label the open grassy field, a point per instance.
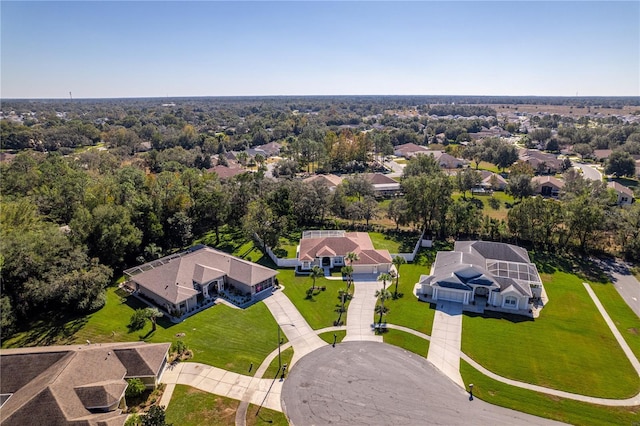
(407, 341)
(539, 404)
(192, 407)
(569, 347)
(224, 337)
(482, 201)
(395, 242)
(320, 310)
(485, 166)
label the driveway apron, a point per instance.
(444, 349)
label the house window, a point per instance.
(624, 199)
(510, 302)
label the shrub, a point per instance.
(135, 388)
(138, 319)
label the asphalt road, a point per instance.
(369, 383)
(589, 172)
(624, 281)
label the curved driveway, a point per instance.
(364, 383)
(589, 172)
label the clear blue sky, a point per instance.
(136, 49)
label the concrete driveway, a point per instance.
(589, 172)
(369, 383)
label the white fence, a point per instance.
(282, 263)
(410, 257)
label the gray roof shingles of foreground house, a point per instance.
(77, 384)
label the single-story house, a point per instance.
(547, 186)
(602, 154)
(329, 180)
(489, 275)
(492, 180)
(267, 150)
(181, 283)
(328, 249)
(446, 161)
(542, 162)
(78, 384)
(227, 172)
(625, 195)
(409, 150)
(383, 185)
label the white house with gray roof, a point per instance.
(483, 275)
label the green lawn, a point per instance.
(539, 404)
(621, 314)
(395, 242)
(407, 341)
(482, 201)
(485, 166)
(319, 311)
(568, 340)
(224, 337)
(328, 336)
(407, 310)
(274, 367)
(192, 407)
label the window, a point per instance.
(510, 302)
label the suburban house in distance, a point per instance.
(184, 282)
(547, 186)
(328, 249)
(484, 275)
(80, 385)
(409, 150)
(330, 181)
(542, 162)
(383, 185)
(625, 195)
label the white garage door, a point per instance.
(450, 295)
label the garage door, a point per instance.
(452, 296)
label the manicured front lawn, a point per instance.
(192, 407)
(407, 341)
(569, 347)
(625, 319)
(275, 368)
(407, 310)
(485, 166)
(319, 311)
(224, 337)
(540, 404)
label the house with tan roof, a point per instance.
(409, 150)
(483, 275)
(182, 283)
(383, 185)
(624, 194)
(542, 162)
(77, 384)
(330, 181)
(547, 186)
(492, 180)
(328, 249)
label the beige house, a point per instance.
(485, 275)
(624, 194)
(548, 186)
(75, 385)
(330, 181)
(182, 283)
(328, 249)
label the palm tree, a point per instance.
(397, 261)
(351, 257)
(348, 271)
(316, 272)
(384, 278)
(383, 295)
(152, 314)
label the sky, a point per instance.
(206, 48)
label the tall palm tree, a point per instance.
(383, 295)
(348, 271)
(397, 261)
(351, 257)
(384, 278)
(316, 272)
(152, 314)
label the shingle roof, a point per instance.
(59, 384)
(330, 181)
(620, 188)
(357, 242)
(173, 281)
(547, 180)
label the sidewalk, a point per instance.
(446, 336)
(361, 311)
(302, 337)
(220, 382)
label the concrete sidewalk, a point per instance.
(221, 382)
(360, 312)
(302, 337)
(446, 336)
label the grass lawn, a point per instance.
(407, 341)
(485, 166)
(482, 201)
(319, 311)
(224, 337)
(193, 407)
(621, 314)
(274, 367)
(395, 242)
(328, 336)
(539, 404)
(407, 310)
(569, 347)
